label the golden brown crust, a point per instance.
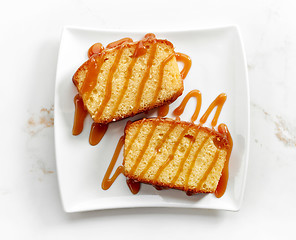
(212, 131)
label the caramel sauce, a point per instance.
(158, 188)
(181, 166)
(133, 185)
(218, 102)
(163, 110)
(140, 49)
(160, 80)
(149, 36)
(90, 81)
(187, 63)
(109, 85)
(179, 110)
(145, 77)
(95, 49)
(79, 116)
(157, 148)
(144, 148)
(171, 156)
(107, 181)
(222, 184)
(119, 42)
(209, 169)
(192, 164)
(134, 138)
(125, 86)
(97, 132)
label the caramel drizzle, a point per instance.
(208, 171)
(143, 150)
(161, 72)
(95, 49)
(134, 138)
(133, 185)
(126, 83)
(79, 116)
(163, 110)
(157, 148)
(181, 166)
(119, 42)
(109, 85)
(192, 164)
(97, 132)
(145, 77)
(171, 156)
(107, 181)
(180, 109)
(222, 184)
(187, 63)
(94, 68)
(218, 102)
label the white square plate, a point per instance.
(218, 65)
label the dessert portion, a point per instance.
(175, 154)
(128, 78)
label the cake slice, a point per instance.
(174, 154)
(128, 78)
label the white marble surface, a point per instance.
(30, 206)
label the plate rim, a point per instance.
(234, 27)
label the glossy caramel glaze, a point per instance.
(181, 166)
(163, 110)
(181, 57)
(160, 80)
(218, 102)
(192, 164)
(145, 77)
(143, 150)
(208, 171)
(107, 181)
(151, 160)
(119, 42)
(171, 156)
(97, 132)
(79, 116)
(92, 75)
(133, 185)
(95, 49)
(140, 50)
(179, 110)
(221, 188)
(109, 85)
